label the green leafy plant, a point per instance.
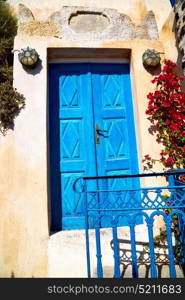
(11, 101)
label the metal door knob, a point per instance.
(98, 132)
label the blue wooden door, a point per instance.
(83, 98)
(116, 153)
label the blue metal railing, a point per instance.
(105, 206)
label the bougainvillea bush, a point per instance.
(166, 112)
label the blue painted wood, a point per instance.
(82, 95)
(76, 156)
(113, 112)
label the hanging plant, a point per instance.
(11, 101)
(166, 112)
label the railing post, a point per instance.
(116, 252)
(151, 245)
(182, 236)
(133, 251)
(87, 230)
(170, 248)
(98, 249)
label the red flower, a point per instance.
(170, 161)
(163, 153)
(183, 149)
(150, 96)
(182, 178)
(171, 82)
(147, 112)
(167, 122)
(182, 133)
(147, 157)
(157, 94)
(166, 104)
(174, 127)
(165, 69)
(166, 211)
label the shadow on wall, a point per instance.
(36, 70)
(153, 71)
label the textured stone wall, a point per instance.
(180, 27)
(83, 23)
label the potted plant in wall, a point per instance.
(166, 112)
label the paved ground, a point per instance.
(143, 272)
(67, 253)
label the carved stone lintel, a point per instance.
(25, 14)
(82, 23)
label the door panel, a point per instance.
(111, 108)
(81, 97)
(77, 153)
(113, 113)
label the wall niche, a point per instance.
(86, 21)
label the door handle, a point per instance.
(98, 132)
(101, 130)
(97, 135)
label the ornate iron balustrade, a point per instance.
(127, 199)
(110, 204)
(151, 198)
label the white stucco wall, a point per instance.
(26, 249)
